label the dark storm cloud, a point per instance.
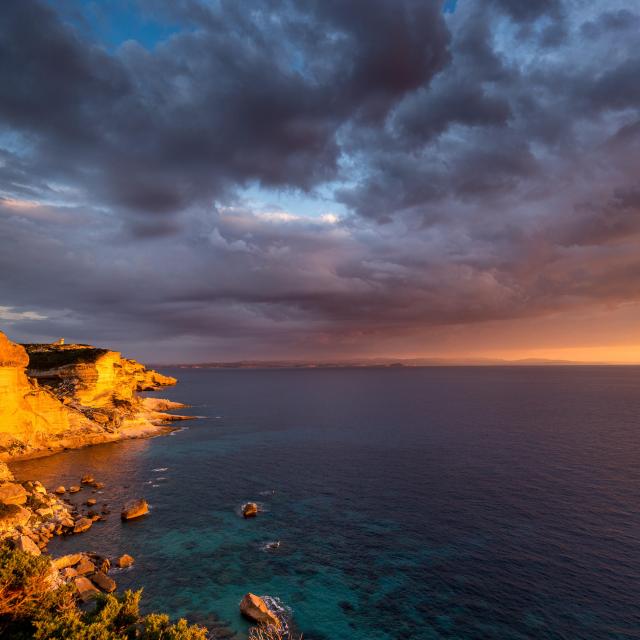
(239, 96)
(487, 159)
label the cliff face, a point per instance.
(55, 396)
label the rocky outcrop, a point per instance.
(12, 493)
(124, 561)
(254, 608)
(134, 509)
(30, 415)
(250, 510)
(55, 396)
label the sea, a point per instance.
(395, 504)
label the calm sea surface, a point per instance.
(410, 503)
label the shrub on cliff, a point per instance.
(115, 618)
(31, 608)
(24, 584)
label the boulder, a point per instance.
(134, 509)
(60, 490)
(69, 560)
(68, 572)
(87, 479)
(86, 590)
(255, 609)
(45, 512)
(250, 510)
(125, 561)
(103, 581)
(74, 488)
(12, 493)
(85, 566)
(38, 487)
(90, 502)
(82, 524)
(12, 516)
(25, 543)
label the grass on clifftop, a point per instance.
(43, 356)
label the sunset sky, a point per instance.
(198, 180)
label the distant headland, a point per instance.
(57, 396)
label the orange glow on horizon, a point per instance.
(614, 354)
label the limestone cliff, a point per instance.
(55, 396)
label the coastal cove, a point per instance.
(422, 503)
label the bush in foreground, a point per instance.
(31, 608)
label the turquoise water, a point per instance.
(424, 503)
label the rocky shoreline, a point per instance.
(55, 397)
(30, 516)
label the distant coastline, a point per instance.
(391, 363)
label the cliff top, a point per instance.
(52, 356)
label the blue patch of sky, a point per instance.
(112, 22)
(294, 202)
(449, 6)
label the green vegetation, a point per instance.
(32, 607)
(43, 357)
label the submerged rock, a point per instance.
(134, 509)
(250, 510)
(255, 609)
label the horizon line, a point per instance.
(354, 363)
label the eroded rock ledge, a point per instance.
(55, 396)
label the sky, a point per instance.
(198, 180)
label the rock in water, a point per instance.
(250, 510)
(82, 525)
(255, 609)
(86, 589)
(87, 478)
(60, 490)
(74, 488)
(125, 561)
(103, 581)
(134, 509)
(12, 493)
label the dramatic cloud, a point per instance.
(211, 179)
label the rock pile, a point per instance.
(87, 571)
